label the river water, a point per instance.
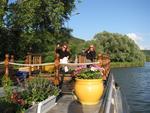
(135, 84)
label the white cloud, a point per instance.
(141, 47)
(147, 48)
(137, 39)
(134, 37)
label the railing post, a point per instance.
(11, 60)
(40, 61)
(104, 66)
(108, 64)
(6, 63)
(30, 62)
(100, 59)
(26, 60)
(81, 58)
(57, 65)
(29, 58)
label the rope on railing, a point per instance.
(1, 62)
(46, 64)
(76, 64)
(18, 64)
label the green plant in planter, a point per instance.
(38, 89)
(6, 103)
(88, 72)
(7, 85)
(9, 107)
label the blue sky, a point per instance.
(129, 17)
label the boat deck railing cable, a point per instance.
(46, 64)
(32, 65)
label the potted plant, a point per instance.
(41, 93)
(88, 84)
(38, 95)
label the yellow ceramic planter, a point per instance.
(89, 91)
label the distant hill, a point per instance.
(76, 45)
(76, 40)
(147, 53)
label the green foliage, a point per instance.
(76, 45)
(11, 43)
(36, 24)
(6, 103)
(49, 12)
(38, 89)
(148, 58)
(8, 107)
(120, 47)
(3, 8)
(49, 56)
(7, 85)
(146, 52)
(88, 74)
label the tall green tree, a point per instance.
(3, 8)
(36, 24)
(120, 47)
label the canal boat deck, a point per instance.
(67, 104)
(112, 101)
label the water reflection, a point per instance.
(135, 84)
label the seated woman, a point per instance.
(90, 54)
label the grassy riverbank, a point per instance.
(148, 58)
(126, 64)
(147, 54)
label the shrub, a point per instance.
(7, 85)
(38, 89)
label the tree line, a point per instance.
(37, 25)
(120, 47)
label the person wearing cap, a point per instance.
(90, 54)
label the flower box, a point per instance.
(39, 90)
(44, 106)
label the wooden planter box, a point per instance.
(44, 106)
